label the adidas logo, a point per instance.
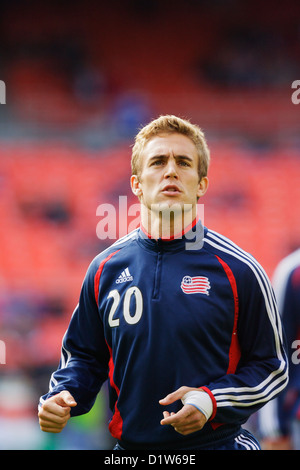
(124, 276)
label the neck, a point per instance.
(167, 223)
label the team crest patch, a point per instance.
(195, 285)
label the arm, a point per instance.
(262, 370)
(84, 355)
(275, 418)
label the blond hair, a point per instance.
(171, 124)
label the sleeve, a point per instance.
(83, 366)
(291, 323)
(261, 372)
(287, 404)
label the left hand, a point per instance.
(188, 419)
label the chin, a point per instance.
(170, 204)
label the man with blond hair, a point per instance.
(190, 340)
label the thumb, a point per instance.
(65, 398)
(174, 396)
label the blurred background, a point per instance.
(81, 78)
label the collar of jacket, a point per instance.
(190, 239)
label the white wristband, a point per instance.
(201, 400)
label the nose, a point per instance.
(170, 169)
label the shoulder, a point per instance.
(243, 264)
(222, 246)
(287, 266)
(285, 270)
(116, 249)
(250, 278)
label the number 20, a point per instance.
(130, 319)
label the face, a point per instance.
(169, 172)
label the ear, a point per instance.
(135, 186)
(203, 186)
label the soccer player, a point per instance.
(180, 320)
(279, 420)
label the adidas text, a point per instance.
(124, 279)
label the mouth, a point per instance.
(171, 190)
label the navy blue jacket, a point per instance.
(276, 418)
(155, 315)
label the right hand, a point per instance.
(55, 412)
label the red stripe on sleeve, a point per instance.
(98, 275)
(116, 424)
(234, 350)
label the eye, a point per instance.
(184, 163)
(157, 162)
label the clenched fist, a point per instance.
(55, 412)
